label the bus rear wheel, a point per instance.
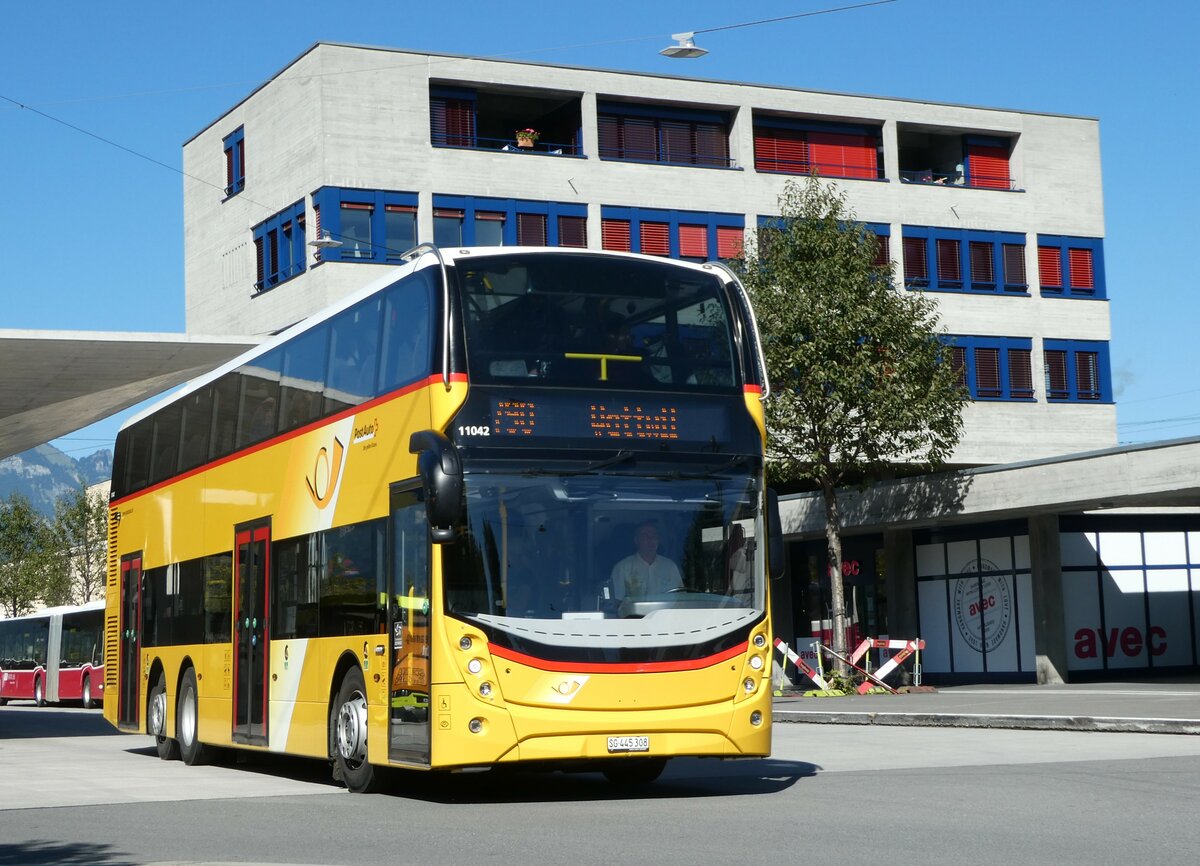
(187, 722)
(87, 700)
(634, 771)
(156, 720)
(350, 735)
(39, 693)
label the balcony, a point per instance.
(474, 118)
(954, 159)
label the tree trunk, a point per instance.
(833, 543)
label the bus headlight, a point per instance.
(760, 641)
(485, 689)
(748, 685)
(475, 726)
(464, 643)
(474, 666)
(756, 662)
(756, 718)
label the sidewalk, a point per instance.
(1160, 707)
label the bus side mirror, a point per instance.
(440, 469)
(775, 557)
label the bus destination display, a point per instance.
(647, 420)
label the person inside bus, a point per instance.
(645, 572)
(738, 579)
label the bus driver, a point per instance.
(645, 572)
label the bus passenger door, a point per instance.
(408, 621)
(250, 634)
(128, 711)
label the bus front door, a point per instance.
(128, 711)
(408, 618)
(250, 634)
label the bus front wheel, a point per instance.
(350, 735)
(39, 693)
(187, 722)
(156, 720)
(87, 700)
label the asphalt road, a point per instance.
(74, 792)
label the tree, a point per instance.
(80, 540)
(861, 376)
(24, 543)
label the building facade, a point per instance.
(997, 213)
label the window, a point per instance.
(798, 147)
(1071, 267)
(476, 221)
(452, 117)
(352, 569)
(994, 368)
(987, 163)
(279, 247)
(652, 133)
(676, 234)
(372, 225)
(1077, 371)
(234, 145)
(985, 255)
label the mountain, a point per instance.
(44, 473)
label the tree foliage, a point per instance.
(24, 549)
(860, 376)
(80, 532)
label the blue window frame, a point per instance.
(464, 220)
(279, 247)
(234, 146)
(1077, 371)
(994, 368)
(373, 225)
(960, 260)
(677, 234)
(1071, 267)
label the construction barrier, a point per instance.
(801, 664)
(905, 647)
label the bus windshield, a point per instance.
(591, 321)
(645, 561)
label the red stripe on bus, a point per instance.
(617, 667)
(435, 379)
(752, 389)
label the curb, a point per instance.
(1027, 723)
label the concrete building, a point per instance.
(1009, 572)
(997, 212)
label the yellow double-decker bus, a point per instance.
(502, 505)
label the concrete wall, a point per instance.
(355, 117)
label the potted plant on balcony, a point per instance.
(526, 137)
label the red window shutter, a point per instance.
(241, 159)
(639, 139)
(452, 122)
(987, 373)
(988, 166)
(572, 231)
(1014, 265)
(693, 241)
(399, 208)
(883, 251)
(609, 129)
(489, 216)
(531, 229)
(712, 144)
(317, 219)
(958, 361)
(677, 142)
(916, 263)
(452, 213)
(258, 255)
(983, 270)
(949, 261)
(1080, 264)
(614, 235)
(1020, 373)
(355, 205)
(730, 242)
(1056, 374)
(784, 150)
(1050, 267)
(1087, 376)
(840, 155)
(228, 170)
(656, 239)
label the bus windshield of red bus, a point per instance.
(595, 322)
(672, 557)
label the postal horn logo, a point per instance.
(327, 471)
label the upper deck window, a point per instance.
(593, 322)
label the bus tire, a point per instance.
(628, 772)
(349, 718)
(39, 693)
(156, 720)
(187, 722)
(86, 698)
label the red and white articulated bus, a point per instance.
(54, 655)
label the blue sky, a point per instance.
(101, 230)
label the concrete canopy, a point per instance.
(55, 382)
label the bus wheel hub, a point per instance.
(352, 729)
